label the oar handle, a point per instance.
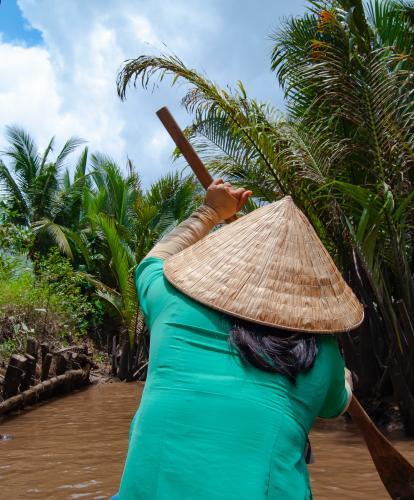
(186, 149)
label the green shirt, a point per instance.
(210, 427)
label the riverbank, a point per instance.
(75, 447)
(41, 372)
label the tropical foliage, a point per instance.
(99, 217)
(56, 304)
(344, 151)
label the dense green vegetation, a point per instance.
(344, 151)
(55, 304)
(101, 221)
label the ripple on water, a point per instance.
(5, 437)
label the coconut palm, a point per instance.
(34, 187)
(121, 224)
(98, 215)
(350, 71)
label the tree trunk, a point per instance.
(124, 362)
(44, 349)
(14, 374)
(361, 351)
(60, 364)
(29, 378)
(114, 353)
(46, 362)
(32, 347)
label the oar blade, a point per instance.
(396, 473)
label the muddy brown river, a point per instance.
(74, 447)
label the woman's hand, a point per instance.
(225, 199)
(348, 378)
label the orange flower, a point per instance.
(325, 17)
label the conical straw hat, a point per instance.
(268, 267)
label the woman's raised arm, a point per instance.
(222, 201)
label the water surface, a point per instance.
(74, 447)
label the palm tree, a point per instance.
(34, 187)
(347, 71)
(168, 201)
(121, 224)
(101, 219)
(344, 152)
(124, 244)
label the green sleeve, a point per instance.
(151, 287)
(337, 395)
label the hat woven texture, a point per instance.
(268, 267)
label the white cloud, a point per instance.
(159, 143)
(28, 90)
(36, 93)
(67, 86)
(143, 30)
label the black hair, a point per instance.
(274, 350)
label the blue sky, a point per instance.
(59, 60)
(13, 26)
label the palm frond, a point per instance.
(391, 23)
(10, 189)
(22, 152)
(120, 264)
(46, 153)
(111, 299)
(56, 232)
(205, 97)
(69, 147)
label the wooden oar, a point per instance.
(187, 150)
(396, 473)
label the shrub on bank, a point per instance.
(53, 303)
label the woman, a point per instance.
(241, 359)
